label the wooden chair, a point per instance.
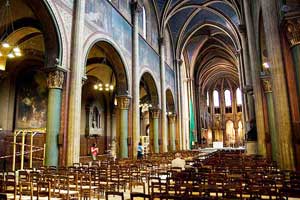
(44, 190)
(139, 196)
(25, 190)
(114, 194)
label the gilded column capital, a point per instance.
(55, 79)
(123, 102)
(267, 85)
(172, 118)
(155, 112)
(292, 31)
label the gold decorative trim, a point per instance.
(267, 85)
(292, 28)
(155, 113)
(172, 118)
(55, 79)
(123, 102)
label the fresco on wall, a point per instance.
(124, 7)
(108, 21)
(148, 58)
(170, 77)
(32, 96)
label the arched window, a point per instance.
(227, 98)
(239, 97)
(216, 98)
(207, 99)
(144, 27)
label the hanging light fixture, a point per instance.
(103, 87)
(7, 49)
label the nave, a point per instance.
(217, 174)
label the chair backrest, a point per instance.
(137, 195)
(44, 189)
(113, 193)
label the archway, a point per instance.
(102, 103)
(149, 113)
(27, 66)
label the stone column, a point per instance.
(113, 132)
(292, 27)
(172, 130)
(280, 97)
(135, 78)
(73, 149)
(123, 105)
(55, 82)
(163, 96)
(267, 87)
(155, 126)
(248, 100)
(255, 71)
(179, 102)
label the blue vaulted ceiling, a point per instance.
(208, 31)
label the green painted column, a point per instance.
(55, 82)
(123, 104)
(172, 130)
(267, 86)
(155, 120)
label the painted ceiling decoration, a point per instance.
(206, 32)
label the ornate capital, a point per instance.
(292, 28)
(155, 112)
(247, 89)
(267, 85)
(172, 118)
(55, 79)
(123, 102)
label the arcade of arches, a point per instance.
(173, 75)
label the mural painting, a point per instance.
(32, 95)
(108, 21)
(149, 58)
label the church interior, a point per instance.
(212, 83)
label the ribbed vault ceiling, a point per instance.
(206, 32)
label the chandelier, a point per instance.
(103, 87)
(7, 49)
